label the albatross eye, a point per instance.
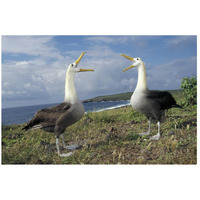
(72, 65)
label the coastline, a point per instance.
(20, 115)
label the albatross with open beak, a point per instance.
(151, 103)
(57, 118)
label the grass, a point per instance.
(109, 137)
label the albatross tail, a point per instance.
(27, 127)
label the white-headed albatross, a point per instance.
(57, 118)
(151, 103)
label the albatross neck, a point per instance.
(70, 91)
(142, 81)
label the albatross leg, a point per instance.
(156, 137)
(57, 145)
(63, 141)
(148, 132)
(58, 149)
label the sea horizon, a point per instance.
(22, 114)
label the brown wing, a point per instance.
(46, 118)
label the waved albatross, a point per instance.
(57, 118)
(151, 103)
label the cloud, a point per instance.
(181, 42)
(111, 39)
(30, 45)
(28, 82)
(169, 75)
(22, 63)
(106, 79)
(40, 78)
(100, 39)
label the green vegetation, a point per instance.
(189, 85)
(109, 137)
(113, 97)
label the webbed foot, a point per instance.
(72, 147)
(66, 154)
(155, 137)
(146, 133)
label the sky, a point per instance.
(34, 67)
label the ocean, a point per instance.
(19, 115)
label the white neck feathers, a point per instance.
(70, 91)
(142, 81)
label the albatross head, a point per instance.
(137, 62)
(142, 82)
(74, 66)
(70, 91)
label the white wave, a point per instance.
(112, 107)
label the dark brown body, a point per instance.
(57, 118)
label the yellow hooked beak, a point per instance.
(128, 68)
(86, 70)
(77, 62)
(129, 58)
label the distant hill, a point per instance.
(113, 97)
(121, 96)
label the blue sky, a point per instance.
(34, 67)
